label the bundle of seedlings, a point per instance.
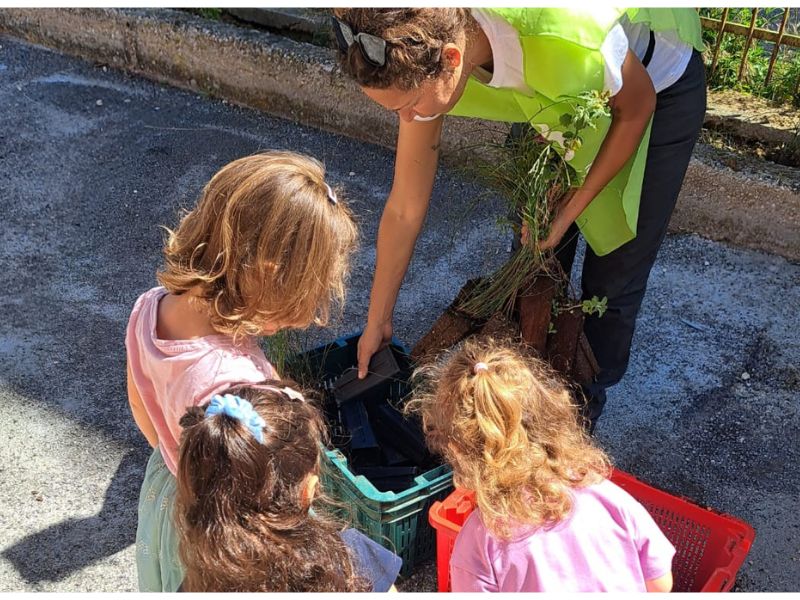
(532, 173)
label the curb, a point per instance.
(302, 20)
(253, 68)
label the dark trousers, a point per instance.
(621, 276)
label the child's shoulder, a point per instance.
(143, 315)
(146, 301)
(242, 360)
(474, 532)
(618, 502)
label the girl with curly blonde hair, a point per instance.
(547, 518)
(266, 248)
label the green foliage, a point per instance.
(783, 84)
(215, 14)
(282, 350)
(595, 305)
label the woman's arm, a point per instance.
(414, 173)
(139, 413)
(631, 110)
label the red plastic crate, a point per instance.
(710, 546)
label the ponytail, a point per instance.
(243, 523)
(508, 426)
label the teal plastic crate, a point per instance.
(396, 520)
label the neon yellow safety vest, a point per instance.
(562, 58)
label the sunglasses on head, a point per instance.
(373, 48)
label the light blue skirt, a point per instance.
(157, 562)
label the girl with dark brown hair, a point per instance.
(248, 475)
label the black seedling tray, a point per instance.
(390, 478)
(383, 368)
(364, 449)
(403, 434)
(379, 442)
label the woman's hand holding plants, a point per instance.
(558, 228)
(561, 222)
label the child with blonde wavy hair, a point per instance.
(266, 248)
(248, 476)
(547, 517)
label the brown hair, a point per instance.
(242, 523)
(414, 38)
(511, 433)
(264, 244)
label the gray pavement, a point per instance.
(93, 161)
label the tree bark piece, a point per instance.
(562, 346)
(449, 329)
(534, 310)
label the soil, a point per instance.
(752, 109)
(534, 313)
(727, 152)
(564, 346)
(501, 328)
(753, 127)
(449, 329)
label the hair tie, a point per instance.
(293, 394)
(481, 366)
(241, 410)
(331, 195)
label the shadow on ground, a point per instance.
(60, 550)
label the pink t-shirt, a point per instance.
(172, 375)
(608, 543)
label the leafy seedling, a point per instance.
(595, 306)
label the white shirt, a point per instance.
(669, 60)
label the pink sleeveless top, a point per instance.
(172, 375)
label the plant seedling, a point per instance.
(382, 367)
(595, 305)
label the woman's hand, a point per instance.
(401, 223)
(374, 337)
(558, 227)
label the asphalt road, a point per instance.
(92, 161)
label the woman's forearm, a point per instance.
(404, 214)
(620, 143)
(397, 237)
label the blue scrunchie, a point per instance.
(241, 410)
